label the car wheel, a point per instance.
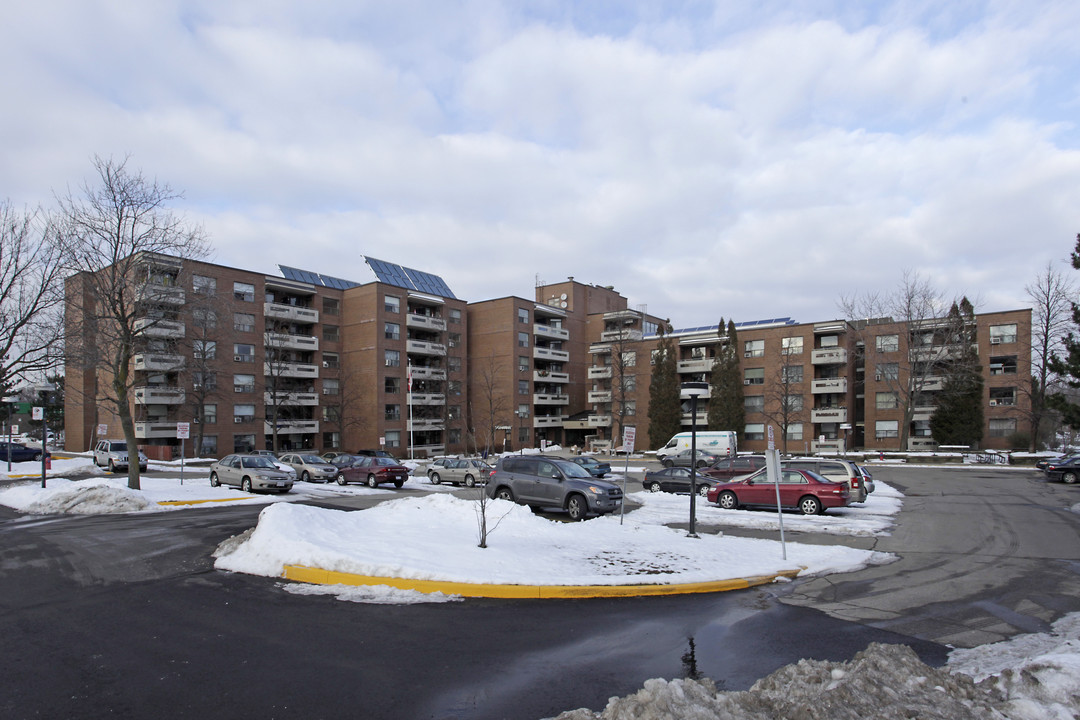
(372, 481)
(37, 457)
(341, 479)
(703, 490)
(1069, 478)
(305, 476)
(728, 500)
(112, 468)
(654, 486)
(470, 481)
(399, 483)
(577, 506)
(245, 485)
(214, 480)
(668, 463)
(810, 505)
(505, 494)
(435, 479)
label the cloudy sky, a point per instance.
(745, 159)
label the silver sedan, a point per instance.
(310, 467)
(250, 472)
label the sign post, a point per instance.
(628, 437)
(183, 432)
(38, 413)
(772, 465)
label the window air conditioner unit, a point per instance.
(326, 391)
(993, 403)
(995, 341)
(748, 353)
(238, 419)
(325, 364)
(238, 358)
(197, 386)
(746, 381)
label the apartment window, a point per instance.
(203, 285)
(331, 306)
(453, 363)
(243, 413)
(887, 401)
(453, 412)
(828, 341)
(204, 380)
(244, 291)
(921, 428)
(331, 440)
(523, 387)
(886, 429)
(203, 318)
(629, 383)
(523, 435)
(1002, 427)
(331, 413)
(630, 407)
(754, 403)
(391, 304)
(392, 412)
(790, 346)
(1003, 365)
(392, 438)
(523, 363)
(629, 359)
(209, 446)
(330, 386)
(243, 322)
(754, 348)
(523, 316)
(792, 403)
(243, 353)
(923, 339)
(330, 360)
(209, 413)
(754, 376)
(453, 388)
(392, 358)
(243, 443)
(791, 374)
(648, 327)
(794, 431)
(243, 383)
(453, 436)
(887, 371)
(330, 333)
(205, 349)
(887, 343)
(455, 316)
(754, 431)
(523, 339)
(392, 385)
(453, 339)
(1002, 396)
(1002, 334)
(392, 331)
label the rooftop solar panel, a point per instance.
(408, 278)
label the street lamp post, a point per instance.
(693, 390)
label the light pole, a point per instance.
(693, 390)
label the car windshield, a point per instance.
(572, 469)
(384, 461)
(312, 459)
(258, 462)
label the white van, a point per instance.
(720, 442)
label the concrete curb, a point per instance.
(319, 576)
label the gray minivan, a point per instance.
(835, 470)
(544, 481)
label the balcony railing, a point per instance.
(291, 427)
(285, 341)
(425, 398)
(695, 365)
(827, 446)
(543, 353)
(283, 311)
(550, 399)
(422, 347)
(621, 335)
(159, 395)
(600, 396)
(160, 294)
(829, 356)
(702, 419)
(145, 430)
(153, 362)
(599, 372)
(550, 332)
(545, 376)
(830, 385)
(294, 370)
(157, 328)
(599, 420)
(541, 421)
(425, 424)
(425, 322)
(292, 398)
(828, 415)
(426, 373)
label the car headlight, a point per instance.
(595, 490)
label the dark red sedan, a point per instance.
(802, 490)
(373, 471)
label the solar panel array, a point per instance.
(312, 278)
(748, 324)
(403, 277)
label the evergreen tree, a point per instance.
(1068, 367)
(727, 410)
(665, 411)
(958, 419)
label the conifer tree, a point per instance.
(726, 407)
(665, 412)
(958, 419)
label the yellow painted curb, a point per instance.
(319, 576)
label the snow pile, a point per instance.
(370, 594)
(84, 498)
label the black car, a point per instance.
(677, 480)
(19, 453)
(1045, 462)
(1066, 471)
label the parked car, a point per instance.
(1066, 471)
(838, 470)
(868, 479)
(594, 466)
(19, 452)
(114, 455)
(552, 482)
(457, 471)
(250, 473)
(331, 454)
(310, 467)
(733, 466)
(1046, 462)
(272, 457)
(677, 480)
(376, 453)
(804, 490)
(373, 471)
(704, 458)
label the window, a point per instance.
(887, 371)
(243, 413)
(791, 346)
(754, 431)
(243, 443)
(330, 333)
(453, 339)
(331, 306)
(204, 380)
(391, 304)
(629, 359)
(887, 401)
(522, 411)
(392, 358)
(754, 376)
(523, 363)
(331, 440)
(1003, 365)
(1002, 427)
(828, 341)
(523, 339)
(1002, 396)
(754, 403)
(923, 339)
(244, 291)
(754, 348)
(203, 285)
(209, 446)
(523, 316)
(331, 413)
(205, 349)
(203, 318)
(392, 385)
(455, 316)
(392, 412)
(453, 412)
(648, 327)
(794, 431)
(1002, 334)
(887, 343)
(330, 386)
(243, 322)
(453, 436)
(393, 438)
(629, 383)
(791, 374)
(243, 383)
(453, 363)
(209, 414)
(330, 360)
(886, 429)
(392, 331)
(523, 387)
(630, 407)
(523, 435)
(243, 353)
(792, 403)
(921, 428)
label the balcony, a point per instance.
(599, 372)
(291, 370)
(292, 427)
(922, 412)
(154, 362)
(830, 385)
(422, 347)
(426, 373)
(829, 356)
(424, 322)
(291, 398)
(829, 447)
(158, 328)
(543, 353)
(550, 399)
(600, 396)
(625, 335)
(933, 383)
(293, 313)
(599, 420)
(160, 294)
(159, 395)
(828, 415)
(430, 451)
(695, 365)
(284, 341)
(425, 398)
(543, 421)
(549, 332)
(921, 443)
(544, 376)
(147, 430)
(425, 424)
(702, 419)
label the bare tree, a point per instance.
(115, 235)
(345, 406)
(1052, 296)
(31, 294)
(783, 397)
(490, 409)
